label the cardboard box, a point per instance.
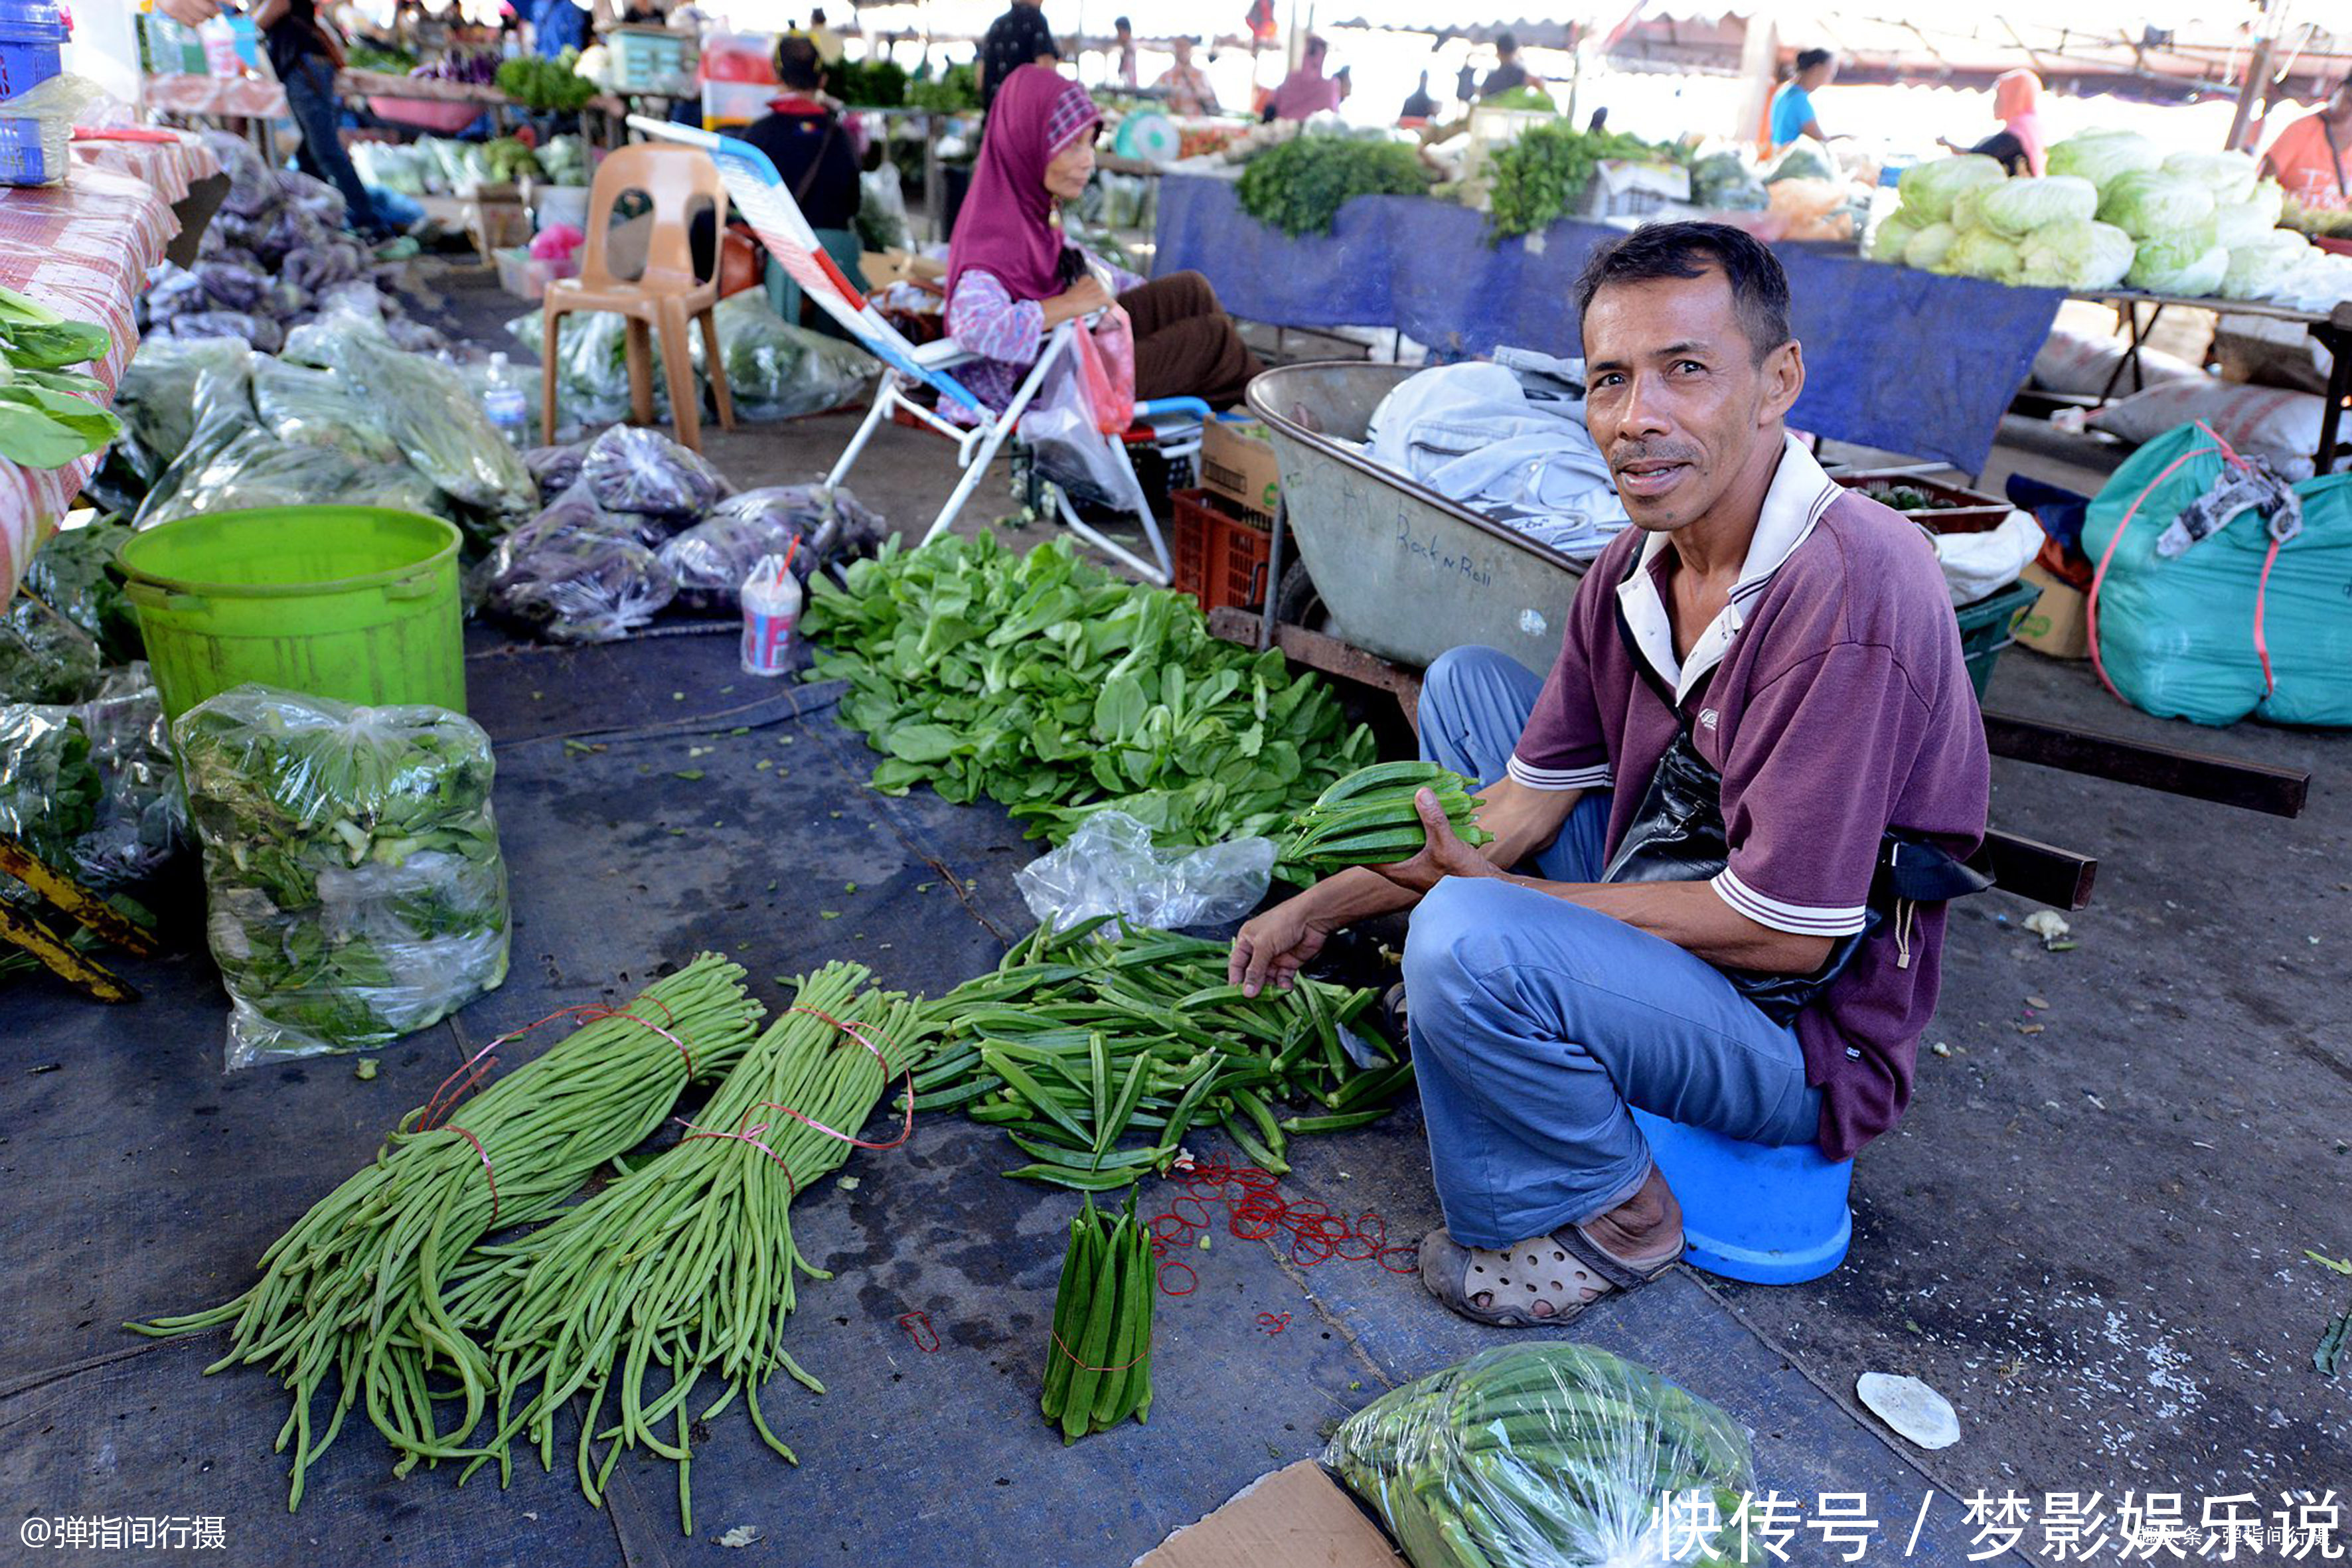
(1298, 1517)
(884, 268)
(1237, 463)
(2057, 624)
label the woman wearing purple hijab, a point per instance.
(1011, 277)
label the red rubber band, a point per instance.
(477, 1068)
(748, 1135)
(488, 1174)
(1177, 1263)
(1088, 1367)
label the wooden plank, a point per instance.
(1331, 657)
(2199, 775)
(2031, 869)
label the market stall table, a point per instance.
(352, 83)
(84, 248)
(1902, 361)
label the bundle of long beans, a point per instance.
(1099, 1356)
(687, 1261)
(1081, 1037)
(1368, 818)
(356, 1286)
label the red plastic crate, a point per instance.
(1219, 559)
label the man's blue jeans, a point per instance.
(310, 99)
(1536, 1022)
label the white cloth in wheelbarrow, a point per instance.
(1470, 433)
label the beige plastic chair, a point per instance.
(666, 299)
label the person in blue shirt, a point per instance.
(557, 25)
(1792, 106)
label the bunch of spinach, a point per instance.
(44, 424)
(1055, 688)
(1541, 177)
(1300, 186)
(355, 889)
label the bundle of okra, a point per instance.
(1098, 1358)
(1368, 818)
(1085, 1036)
(356, 1288)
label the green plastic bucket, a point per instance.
(354, 603)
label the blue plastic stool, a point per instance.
(1770, 1216)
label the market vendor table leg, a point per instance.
(2335, 333)
(2131, 354)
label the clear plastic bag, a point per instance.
(1059, 429)
(633, 470)
(779, 371)
(1552, 1454)
(316, 408)
(353, 885)
(574, 573)
(69, 574)
(881, 220)
(44, 657)
(142, 820)
(157, 398)
(1108, 867)
(49, 792)
(220, 409)
(591, 367)
(711, 559)
(556, 468)
(256, 468)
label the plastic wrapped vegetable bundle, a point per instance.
(779, 371)
(317, 408)
(44, 657)
(711, 559)
(1556, 1454)
(157, 399)
(354, 889)
(69, 574)
(629, 468)
(49, 792)
(574, 573)
(140, 822)
(591, 367)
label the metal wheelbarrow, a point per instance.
(1403, 573)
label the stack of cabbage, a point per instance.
(2114, 208)
(1965, 216)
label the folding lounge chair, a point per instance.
(760, 195)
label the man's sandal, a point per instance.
(1545, 1280)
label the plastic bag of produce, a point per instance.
(140, 822)
(317, 408)
(251, 189)
(2188, 264)
(49, 793)
(556, 468)
(156, 399)
(256, 468)
(353, 886)
(44, 657)
(778, 371)
(2257, 269)
(2100, 156)
(881, 218)
(69, 574)
(1108, 867)
(592, 366)
(430, 416)
(220, 409)
(2079, 254)
(1928, 188)
(1554, 1453)
(573, 574)
(711, 559)
(632, 469)
(2154, 202)
(2018, 207)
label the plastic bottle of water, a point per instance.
(503, 402)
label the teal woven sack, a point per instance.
(2232, 626)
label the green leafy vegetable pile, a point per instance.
(1541, 178)
(547, 86)
(43, 423)
(510, 158)
(355, 889)
(1300, 186)
(868, 84)
(956, 92)
(1554, 1453)
(1053, 687)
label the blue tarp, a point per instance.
(1897, 359)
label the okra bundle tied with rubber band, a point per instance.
(357, 1287)
(1556, 1453)
(1088, 1036)
(1370, 817)
(1099, 1356)
(687, 1261)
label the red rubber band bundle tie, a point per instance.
(1255, 1210)
(488, 1174)
(855, 1032)
(469, 1073)
(1088, 1367)
(919, 1326)
(751, 1135)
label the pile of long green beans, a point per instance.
(687, 1261)
(1085, 1036)
(356, 1286)
(1550, 1452)
(1098, 1357)
(1368, 818)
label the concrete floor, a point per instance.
(2089, 1231)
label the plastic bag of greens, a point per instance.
(881, 217)
(428, 413)
(573, 574)
(631, 469)
(220, 410)
(591, 367)
(156, 399)
(353, 886)
(778, 371)
(44, 657)
(710, 560)
(140, 822)
(69, 574)
(256, 468)
(1553, 1453)
(49, 793)
(251, 189)
(317, 408)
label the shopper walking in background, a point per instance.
(1792, 107)
(1420, 108)
(1508, 74)
(306, 57)
(1019, 37)
(1123, 52)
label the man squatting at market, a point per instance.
(1770, 661)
